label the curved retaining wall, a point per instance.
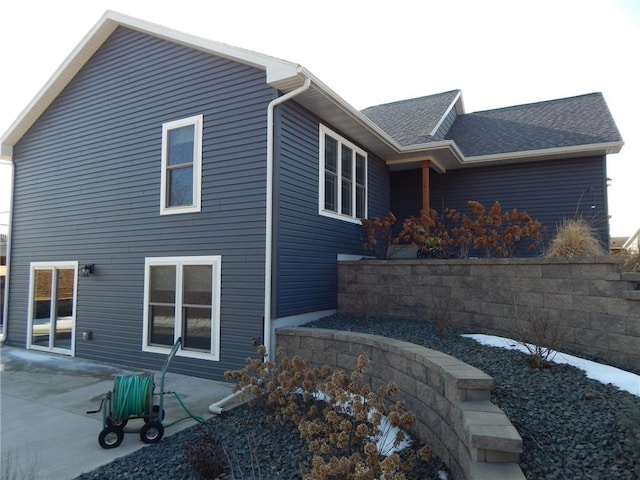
(591, 299)
(450, 398)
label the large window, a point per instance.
(181, 166)
(343, 178)
(182, 299)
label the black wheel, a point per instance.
(110, 437)
(117, 423)
(151, 432)
(155, 410)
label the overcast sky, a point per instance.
(499, 53)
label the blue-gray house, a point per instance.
(169, 186)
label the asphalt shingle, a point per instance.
(412, 121)
(566, 122)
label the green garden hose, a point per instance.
(131, 396)
(190, 415)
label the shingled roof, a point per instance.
(402, 133)
(566, 122)
(413, 121)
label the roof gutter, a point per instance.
(268, 261)
(5, 309)
(607, 148)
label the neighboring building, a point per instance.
(625, 245)
(616, 245)
(166, 185)
(632, 244)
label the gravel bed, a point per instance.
(569, 423)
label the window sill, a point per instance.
(337, 216)
(182, 353)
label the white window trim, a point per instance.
(52, 265)
(342, 141)
(216, 262)
(197, 122)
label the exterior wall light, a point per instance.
(87, 270)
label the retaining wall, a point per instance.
(450, 398)
(595, 305)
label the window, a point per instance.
(343, 178)
(181, 166)
(182, 299)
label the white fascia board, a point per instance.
(347, 108)
(249, 57)
(6, 152)
(446, 112)
(604, 148)
(58, 81)
(276, 68)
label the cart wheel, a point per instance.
(155, 409)
(110, 437)
(151, 432)
(117, 423)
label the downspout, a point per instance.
(268, 261)
(5, 307)
(218, 407)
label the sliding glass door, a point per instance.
(52, 306)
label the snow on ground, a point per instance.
(627, 381)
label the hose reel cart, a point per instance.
(133, 397)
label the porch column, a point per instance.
(425, 185)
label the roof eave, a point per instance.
(605, 148)
(443, 155)
(330, 107)
(279, 72)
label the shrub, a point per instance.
(343, 421)
(574, 238)
(206, 457)
(540, 336)
(631, 422)
(430, 233)
(451, 234)
(380, 237)
(498, 233)
(632, 261)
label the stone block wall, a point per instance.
(450, 398)
(595, 304)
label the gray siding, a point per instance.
(87, 188)
(307, 243)
(548, 191)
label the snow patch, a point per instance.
(627, 381)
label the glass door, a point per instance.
(52, 311)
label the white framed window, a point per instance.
(182, 300)
(343, 178)
(181, 166)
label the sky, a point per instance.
(499, 53)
